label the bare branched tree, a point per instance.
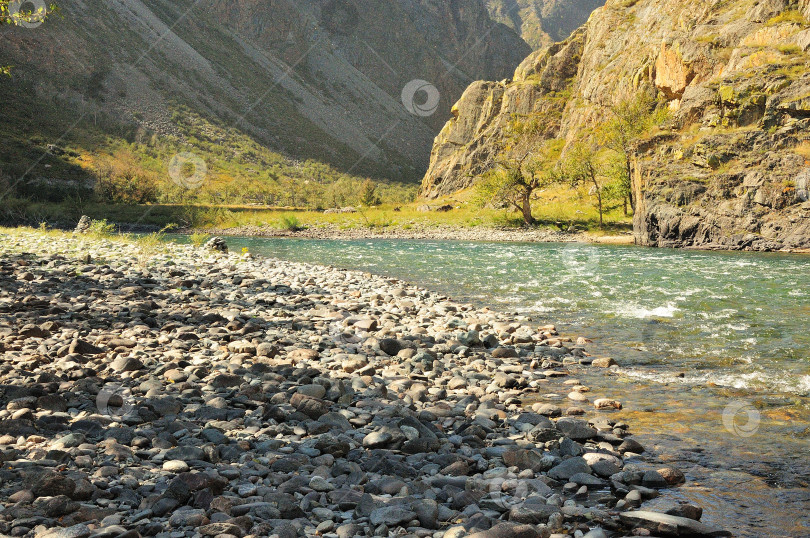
(526, 164)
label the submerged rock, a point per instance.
(682, 526)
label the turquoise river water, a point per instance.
(714, 349)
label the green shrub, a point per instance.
(380, 222)
(198, 239)
(152, 244)
(101, 228)
(790, 49)
(122, 179)
(14, 209)
(368, 194)
(289, 223)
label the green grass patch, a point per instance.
(198, 239)
(793, 16)
(790, 49)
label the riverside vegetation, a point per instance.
(187, 391)
(155, 389)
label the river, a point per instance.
(714, 349)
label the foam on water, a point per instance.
(634, 310)
(720, 314)
(752, 381)
(537, 306)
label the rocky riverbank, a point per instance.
(432, 232)
(179, 392)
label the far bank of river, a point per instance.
(442, 232)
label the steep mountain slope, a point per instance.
(318, 79)
(730, 171)
(543, 22)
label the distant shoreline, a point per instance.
(451, 233)
(436, 233)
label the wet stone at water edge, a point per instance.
(202, 393)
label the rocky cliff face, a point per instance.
(731, 170)
(316, 79)
(466, 147)
(543, 22)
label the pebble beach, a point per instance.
(180, 392)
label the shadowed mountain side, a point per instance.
(543, 22)
(310, 79)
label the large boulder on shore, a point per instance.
(216, 244)
(83, 225)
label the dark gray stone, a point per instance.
(569, 468)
